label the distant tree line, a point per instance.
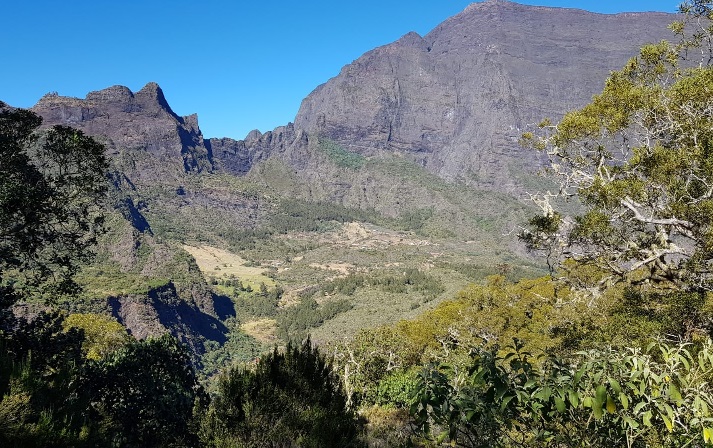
(409, 280)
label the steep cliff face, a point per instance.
(457, 99)
(133, 121)
(239, 156)
(163, 310)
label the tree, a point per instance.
(639, 158)
(292, 398)
(144, 394)
(696, 30)
(52, 182)
(102, 334)
(51, 186)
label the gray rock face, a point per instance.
(239, 156)
(163, 311)
(457, 99)
(141, 120)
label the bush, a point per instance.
(291, 398)
(660, 396)
(145, 393)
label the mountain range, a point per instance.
(455, 100)
(415, 143)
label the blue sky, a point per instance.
(238, 65)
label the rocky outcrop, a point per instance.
(122, 189)
(163, 311)
(457, 99)
(239, 156)
(125, 120)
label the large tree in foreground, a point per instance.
(292, 398)
(639, 158)
(51, 183)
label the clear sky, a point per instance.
(240, 65)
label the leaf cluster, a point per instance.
(658, 396)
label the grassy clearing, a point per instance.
(219, 263)
(263, 330)
(108, 280)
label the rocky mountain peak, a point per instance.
(458, 107)
(488, 4)
(492, 5)
(411, 39)
(151, 88)
(150, 99)
(151, 96)
(141, 121)
(118, 94)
